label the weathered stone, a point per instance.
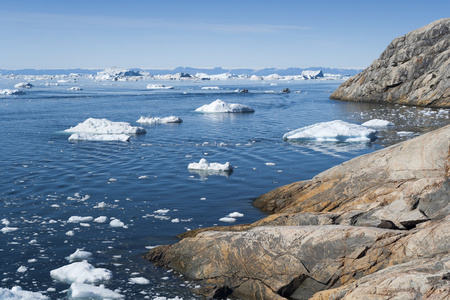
(413, 70)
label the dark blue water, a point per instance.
(45, 179)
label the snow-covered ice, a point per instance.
(99, 137)
(219, 106)
(79, 255)
(157, 120)
(9, 229)
(16, 293)
(204, 165)
(87, 291)
(81, 272)
(158, 87)
(138, 280)
(116, 223)
(9, 92)
(78, 219)
(210, 88)
(101, 219)
(377, 123)
(227, 219)
(338, 131)
(235, 215)
(75, 88)
(24, 85)
(105, 126)
(405, 133)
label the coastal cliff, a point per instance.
(413, 70)
(377, 225)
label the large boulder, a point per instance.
(413, 70)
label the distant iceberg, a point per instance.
(158, 87)
(338, 131)
(377, 123)
(23, 85)
(115, 73)
(219, 106)
(99, 137)
(204, 165)
(75, 88)
(104, 126)
(157, 120)
(210, 88)
(11, 92)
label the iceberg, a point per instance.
(81, 272)
(79, 255)
(158, 87)
(75, 88)
(338, 131)
(156, 120)
(204, 165)
(11, 92)
(99, 137)
(210, 88)
(16, 293)
(377, 123)
(219, 106)
(104, 126)
(24, 85)
(87, 291)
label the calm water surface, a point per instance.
(45, 179)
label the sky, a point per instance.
(147, 34)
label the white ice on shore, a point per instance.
(156, 120)
(158, 87)
(78, 255)
(24, 85)
(99, 137)
(16, 293)
(204, 165)
(105, 126)
(9, 92)
(80, 272)
(87, 291)
(219, 106)
(338, 131)
(377, 123)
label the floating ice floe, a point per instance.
(116, 223)
(9, 229)
(159, 87)
(235, 215)
(204, 165)
(157, 120)
(405, 133)
(99, 137)
(24, 85)
(377, 123)
(105, 126)
(219, 106)
(75, 88)
(79, 255)
(210, 88)
(138, 280)
(16, 293)
(81, 272)
(227, 219)
(9, 92)
(337, 131)
(78, 219)
(87, 291)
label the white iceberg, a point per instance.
(79, 255)
(377, 123)
(157, 120)
(219, 106)
(138, 280)
(75, 88)
(116, 223)
(11, 92)
(158, 87)
(81, 272)
(99, 137)
(204, 165)
(210, 88)
(338, 131)
(16, 293)
(105, 126)
(78, 219)
(86, 291)
(24, 85)
(227, 219)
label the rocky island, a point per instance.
(413, 70)
(377, 226)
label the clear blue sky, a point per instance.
(210, 33)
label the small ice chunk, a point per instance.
(105, 126)
(16, 293)
(6, 222)
(138, 280)
(204, 165)
(99, 137)
(405, 133)
(337, 131)
(87, 291)
(158, 87)
(9, 229)
(101, 219)
(78, 219)
(116, 223)
(270, 164)
(75, 88)
(176, 220)
(22, 269)
(235, 215)
(210, 88)
(9, 92)
(80, 272)
(219, 106)
(227, 219)
(377, 123)
(162, 211)
(79, 255)
(70, 233)
(24, 85)
(157, 120)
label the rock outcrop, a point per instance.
(376, 226)
(413, 70)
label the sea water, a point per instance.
(145, 184)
